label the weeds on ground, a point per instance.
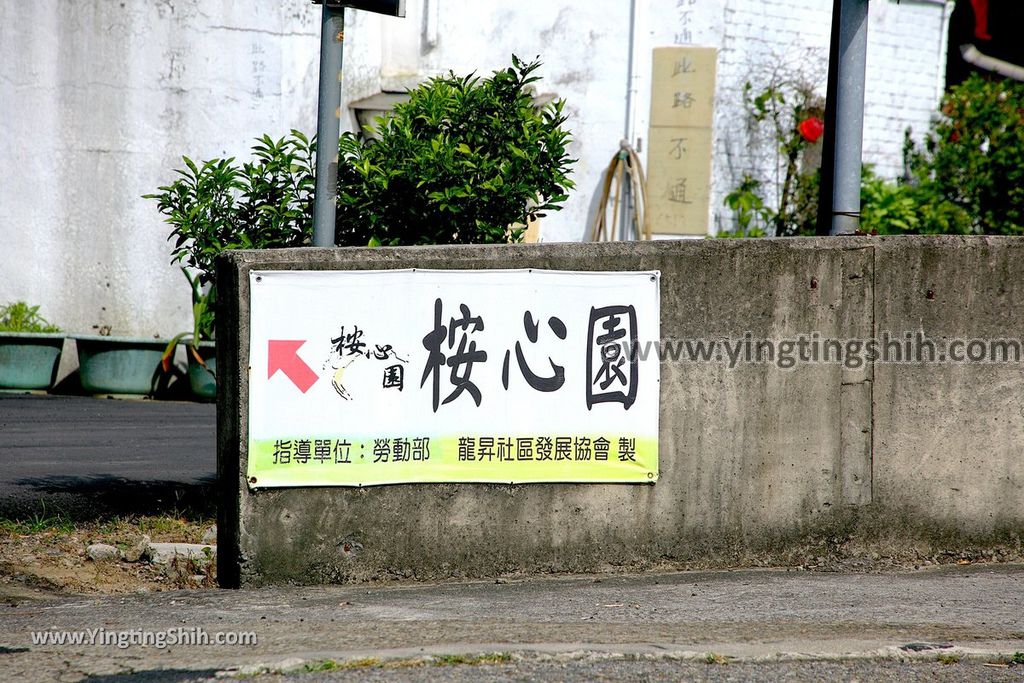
(473, 660)
(38, 523)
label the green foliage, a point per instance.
(473, 660)
(896, 208)
(262, 204)
(753, 218)
(460, 162)
(20, 317)
(36, 523)
(786, 102)
(463, 161)
(973, 157)
(202, 322)
(967, 177)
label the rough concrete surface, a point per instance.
(745, 617)
(751, 457)
(949, 437)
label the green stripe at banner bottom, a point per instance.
(338, 461)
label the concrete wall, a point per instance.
(751, 457)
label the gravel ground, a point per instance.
(547, 670)
(858, 670)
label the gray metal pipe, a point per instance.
(852, 54)
(328, 125)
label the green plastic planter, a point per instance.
(29, 360)
(203, 380)
(119, 365)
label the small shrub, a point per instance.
(262, 204)
(891, 207)
(20, 317)
(218, 205)
(788, 111)
(463, 161)
(973, 157)
(458, 163)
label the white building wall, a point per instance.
(586, 48)
(100, 98)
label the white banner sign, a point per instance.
(401, 376)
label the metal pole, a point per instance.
(627, 233)
(849, 97)
(328, 125)
(823, 222)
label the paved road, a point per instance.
(576, 628)
(90, 456)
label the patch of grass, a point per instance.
(39, 523)
(715, 658)
(949, 658)
(325, 665)
(404, 663)
(166, 526)
(359, 663)
(1017, 658)
(160, 528)
(473, 660)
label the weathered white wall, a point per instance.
(98, 101)
(586, 48)
(99, 98)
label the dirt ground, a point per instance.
(48, 555)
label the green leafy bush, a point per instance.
(463, 161)
(217, 205)
(20, 317)
(460, 162)
(973, 156)
(262, 204)
(894, 207)
(753, 218)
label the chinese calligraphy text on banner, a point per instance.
(359, 378)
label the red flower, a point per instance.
(812, 129)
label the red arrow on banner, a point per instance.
(282, 354)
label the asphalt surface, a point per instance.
(89, 456)
(740, 625)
